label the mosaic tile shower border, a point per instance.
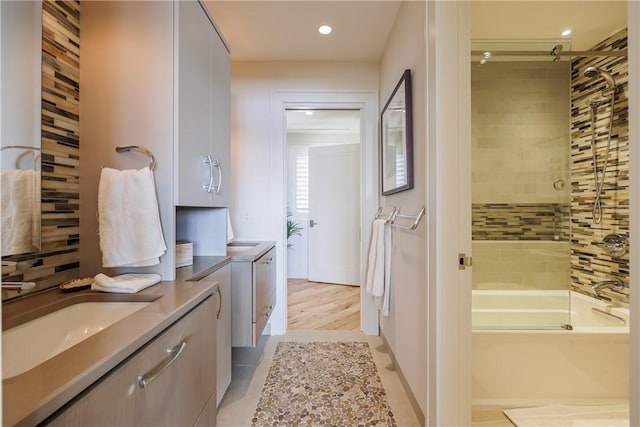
(510, 221)
(58, 259)
(323, 383)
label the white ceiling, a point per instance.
(288, 30)
(267, 30)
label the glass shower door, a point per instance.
(520, 112)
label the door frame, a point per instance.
(367, 103)
(448, 317)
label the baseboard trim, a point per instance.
(405, 384)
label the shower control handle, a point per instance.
(312, 223)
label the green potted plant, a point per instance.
(292, 228)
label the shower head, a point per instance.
(594, 72)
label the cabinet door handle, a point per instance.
(209, 160)
(146, 379)
(218, 164)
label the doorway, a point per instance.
(323, 218)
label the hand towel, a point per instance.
(375, 266)
(129, 283)
(20, 211)
(129, 219)
(383, 301)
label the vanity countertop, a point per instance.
(248, 251)
(31, 397)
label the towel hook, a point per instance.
(152, 159)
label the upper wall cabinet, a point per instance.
(204, 79)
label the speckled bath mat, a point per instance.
(323, 384)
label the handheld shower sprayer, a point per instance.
(595, 72)
(608, 94)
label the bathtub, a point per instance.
(518, 367)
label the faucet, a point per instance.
(18, 286)
(607, 284)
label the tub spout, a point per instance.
(607, 284)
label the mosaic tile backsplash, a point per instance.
(58, 258)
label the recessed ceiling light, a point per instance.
(308, 113)
(566, 33)
(324, 29)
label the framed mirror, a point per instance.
(21, 46)
(396, 142)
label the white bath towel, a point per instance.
(129, 283)
(129, 219)
(20, 211)
(378, 278)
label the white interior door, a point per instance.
(334, 214)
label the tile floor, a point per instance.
(251, 368)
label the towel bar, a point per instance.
(152, 159)
(36, 154)
(23, 147)
(395, 213)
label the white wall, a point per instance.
(404, 328)
(252, 84)
(260, 92)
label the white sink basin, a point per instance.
(32, 343)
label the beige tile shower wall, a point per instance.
(520, 265)
(58, 259)
(589, 262)
(520, 135)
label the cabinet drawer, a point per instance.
(176, 395)
(265, 281)
(263, 317)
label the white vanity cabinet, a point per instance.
(204, 97)
(253, 296)
(171, 381)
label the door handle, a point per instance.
(312, 223)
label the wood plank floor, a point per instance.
(322, 306)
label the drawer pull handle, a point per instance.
(146, 379)
(219, 291)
